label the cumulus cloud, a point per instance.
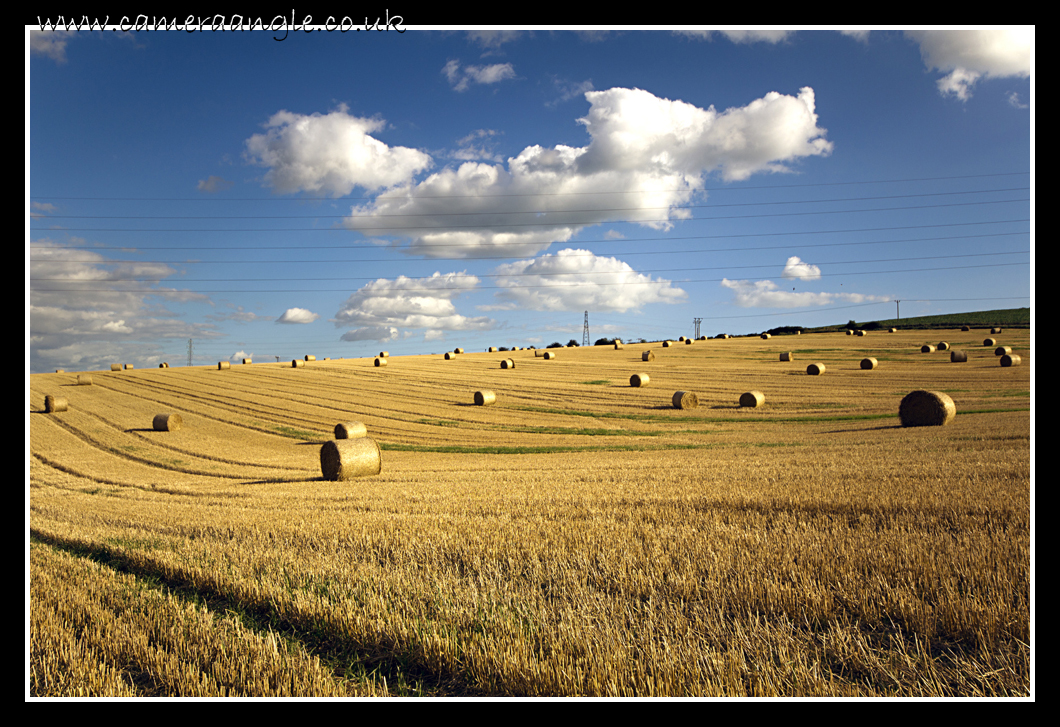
(330, 153)
(741, 36)
(50, 43)
(476, 146)
(765, 294)
(646, 157)
(461, 78)
(968, 55)
(579, 280)
(213, 184)
(381, 307)
(297, 315)
(796, 268)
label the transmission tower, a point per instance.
(189, 352)
(697, 321)
(585, 330)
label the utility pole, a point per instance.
(697, 321)
(897, 309)
(585, 330)
(189, 352)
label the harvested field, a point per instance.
(578, 537)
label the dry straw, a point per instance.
(507, 364)
(247, 361)
(1002, 350)
(222, 365)
(752, 399)
(297, 364)
(639, 380)
(958, 356)
(943, 346)
(688, 341)
(115, 367)
(309, 357)
(84, 380)
(384, 354)
(350, 430)
(539, 353)
(549, 355)
(869, 363)
(491, 349)
(485, 398)
(128, 367)
(449, 355)
(53, 404)
(927, 348)
(682, 338)
(685, 400)
(926, 409)
(458, 350)
(787, 356)
(815, 369)
(380, 361)
(167, 422)
(647, 356)
(345, 459)
(989, 342)
(1010, 359)
(618, 345)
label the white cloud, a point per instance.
(51, 43)
(297, 315)
(968, 55)
(580, 280)
(796, 268)
(380, 307)
(330, 153)
(741, 36)
(646, 158)
(765, 294)
(462, 78)
(213, 184)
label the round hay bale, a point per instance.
(752, 399)
(84, 380)
(309, 357)
(688, 341)
(297, 364)
(222, 365)
(869, 363)
(164, 365)
(549, 355)
(127, 367)
(965, 329)
(538, 353)
(458, 350)
(384, 354)
(449, 355)
(989, 342)
(861, 333)
(491, 349)
(247, 361)
(60, 371)
(893, 330)
(926, 409)
(53, 404)
(943, 346)
(850, 332)
(724, 335)
(507, 364)
(647, 356)
(815, 369)
(702, 338)
(927, 348)
(685, 400)
(618, 345)
(167, 422)
(995, 330)
(667, 344)
(380, 361)
(787, 356)
(766, 336)
(1002, 350)
(350, 430)
(1010, 359)
(345, 459)
(485, 398)
(639, 380)
(682, 338)
(958, 356)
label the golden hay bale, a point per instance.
(384, 354)
(702, 338)
(958, 356)
(449, 355)
(639, 380)
(380, 361)
(893, 330)
(685, 400)
(869, 363)
(860, 333)
(647, 356)
(1010, 359)
(458, 350)
(507, 364)
(850, 332)
(752, 399)
(539, 352)
(167, 422)
(926, 409)
(549, 355)
(127, 367)
(787, 356)
(1002, 350)
(766, 336)
(350, 430)
(667, 344)
(344, 459)
(618, 345)
(995, 330)
(84, 380)
(491, 349)
(943, 346)
(485, 398)
(682, 338)
(163, 365)
(222, 365)
(60, 371)
(309, 357)
(965, 329)
(297, 364)
(688, 341)
(247, 361)
(53, 404)
(927, 348)
(815, 369)
(989, 342)
(724, 335)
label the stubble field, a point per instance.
(579, 537)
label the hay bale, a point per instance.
(247, 361)
(449, 355)
(1002, 350)
(618, 345)
(639, 380)
(308, 357)
(766, 336)
(297, 364)
(53, 404)
(60, 371)
(927, 348)
(127, 367)
(724, 335)
(702, 338)
(685, 400)
(491, 349)
(485, 398)
(688, 341)
(965, 329)
(861, 333)
(167, 422)
(752, 399)
(989, 342)
(926, 409)
(507, 364)
(1010, 359)
(667, 344)
(380, 361)
(222, 365)
(943, 346)
(787, 356)
(549, 355)
(995, 330)
(869, 363)
(815, 369)
(163, 365)
(682, 338)
(893, 330)
(458, 350)
(850, 332)
(538, 353)
(384, 354)
(84, 380)
(647, 356)
(350, 430)
(958, 356)
(345, 459)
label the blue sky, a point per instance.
(345, 193)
